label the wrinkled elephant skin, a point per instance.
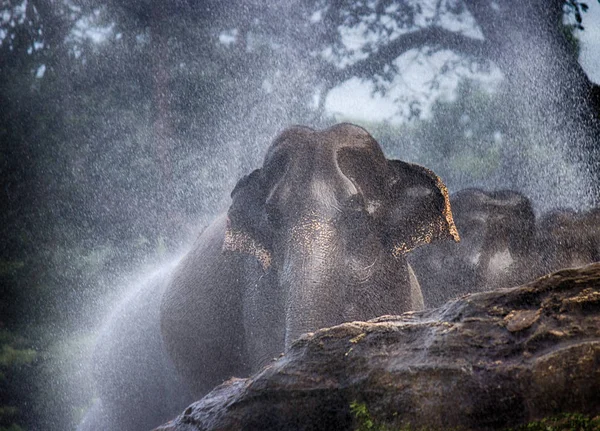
(316, 237)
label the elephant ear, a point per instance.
(246, 230)
(419, 211)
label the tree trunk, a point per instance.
(555, 104)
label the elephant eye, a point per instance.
(355, 210)
(355, 202)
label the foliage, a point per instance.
(465, 141)
(563, 422)
(364, 419)
(15, 365)
(576, 9)
(468, 140)
(366, 422)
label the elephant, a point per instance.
(315, 237)
(567, 238)
(497, 247)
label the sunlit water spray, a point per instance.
(551, 176)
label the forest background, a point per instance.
(125, 124)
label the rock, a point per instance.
(484, 361)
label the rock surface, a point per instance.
(484, 361)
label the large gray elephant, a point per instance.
(314, 238)
(497, 248)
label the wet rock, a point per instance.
(485, 361)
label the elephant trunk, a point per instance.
(314, 294)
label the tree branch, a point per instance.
(435, 37)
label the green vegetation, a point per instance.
(563, 422)
(15, 364)
(364, 420)
(469, 141)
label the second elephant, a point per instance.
(567, 238)
(497, 248)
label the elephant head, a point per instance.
(330, 219)
(567, 238)
(496, 249)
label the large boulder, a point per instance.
(484, 361)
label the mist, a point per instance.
(125, 126)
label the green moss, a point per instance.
(366, 422)
(362, 416)
(563, 422)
